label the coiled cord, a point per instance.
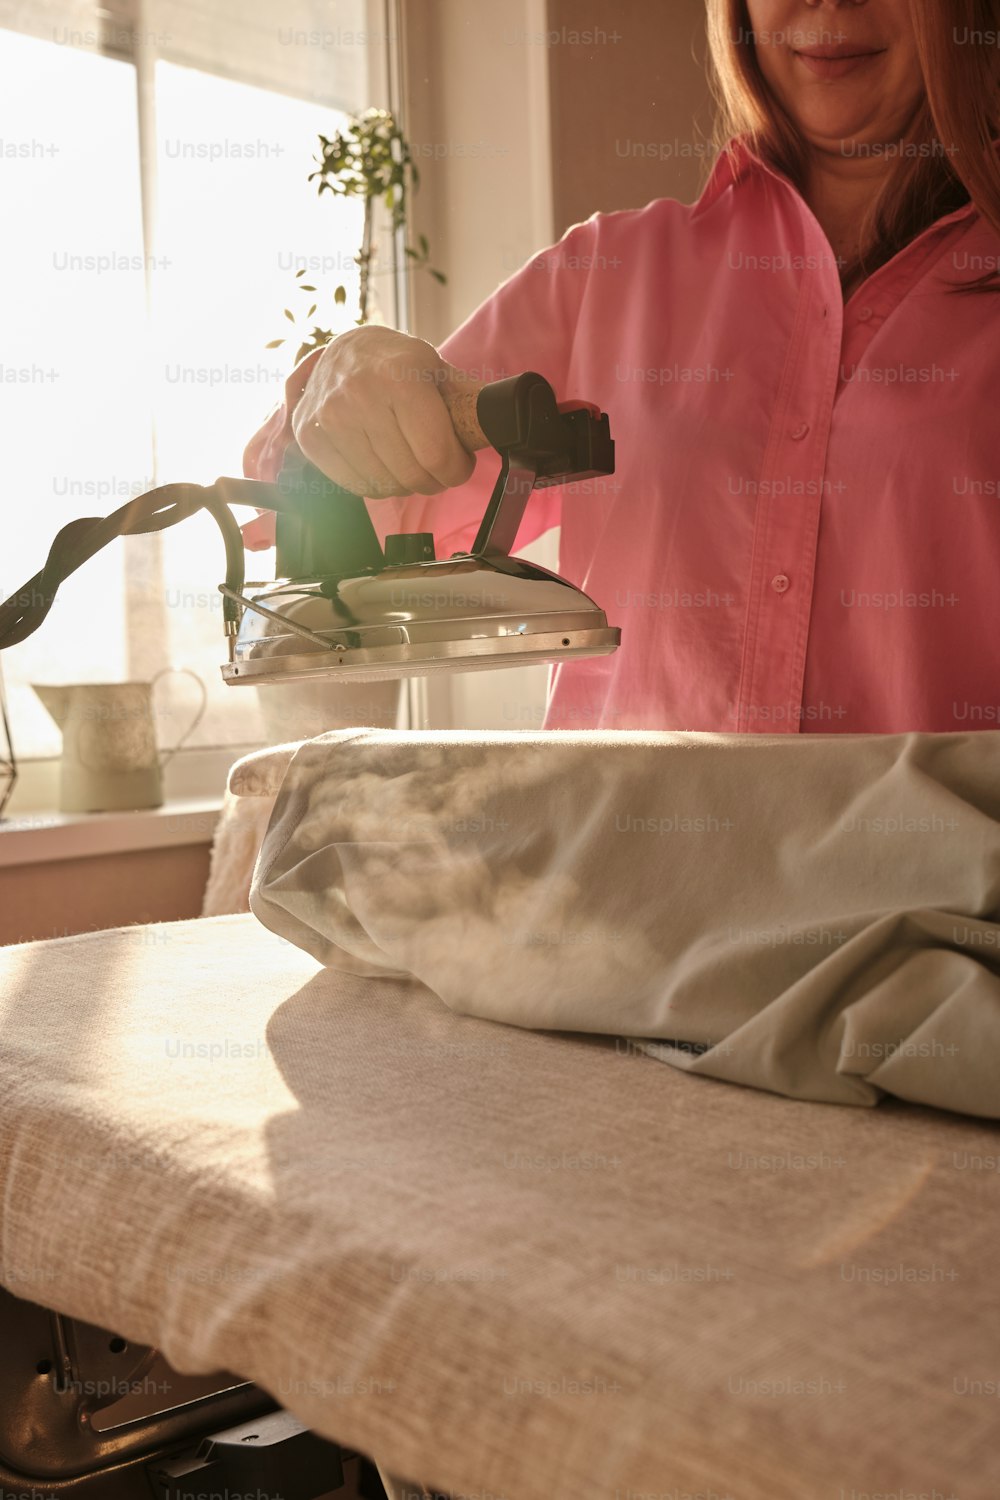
(78, 541)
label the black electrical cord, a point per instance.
(77, 542)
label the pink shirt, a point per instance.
(803, 532)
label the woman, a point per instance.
(803, 533)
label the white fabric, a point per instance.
(506, 1263)
(811, 914)
(251, 787)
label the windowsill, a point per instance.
(40, 837)
(35, 832)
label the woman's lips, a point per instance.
(836, 64)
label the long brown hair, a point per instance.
(946, 158)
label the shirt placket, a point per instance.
(786, 521)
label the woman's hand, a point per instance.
(373, 418)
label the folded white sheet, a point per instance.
(815, 915)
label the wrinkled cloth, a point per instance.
(514, 1265)
(817, 915)
(251, 786)
(801, 533)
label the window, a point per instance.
(155, 209)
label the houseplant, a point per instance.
(369, 159)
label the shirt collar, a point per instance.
(738, 160)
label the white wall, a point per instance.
(477, 107)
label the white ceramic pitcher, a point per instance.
(110, 759)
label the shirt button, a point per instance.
(864, 314)
(780, 582)
(798, 433)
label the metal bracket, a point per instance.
(276, 1454)
(283, 621)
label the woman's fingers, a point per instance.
(346, 457)
(323, 449)
(427, 430)
(390, 444)
(373, 419)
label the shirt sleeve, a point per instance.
(263, 455)
(528, 323)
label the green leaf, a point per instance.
(301, 271)
(369, 160)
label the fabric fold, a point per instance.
(815, 915)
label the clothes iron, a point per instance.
(344, 606)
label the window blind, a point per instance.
(320, 50)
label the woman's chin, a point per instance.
(837, 134)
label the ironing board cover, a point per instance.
(507, 1262)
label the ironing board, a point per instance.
(508, 1263)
